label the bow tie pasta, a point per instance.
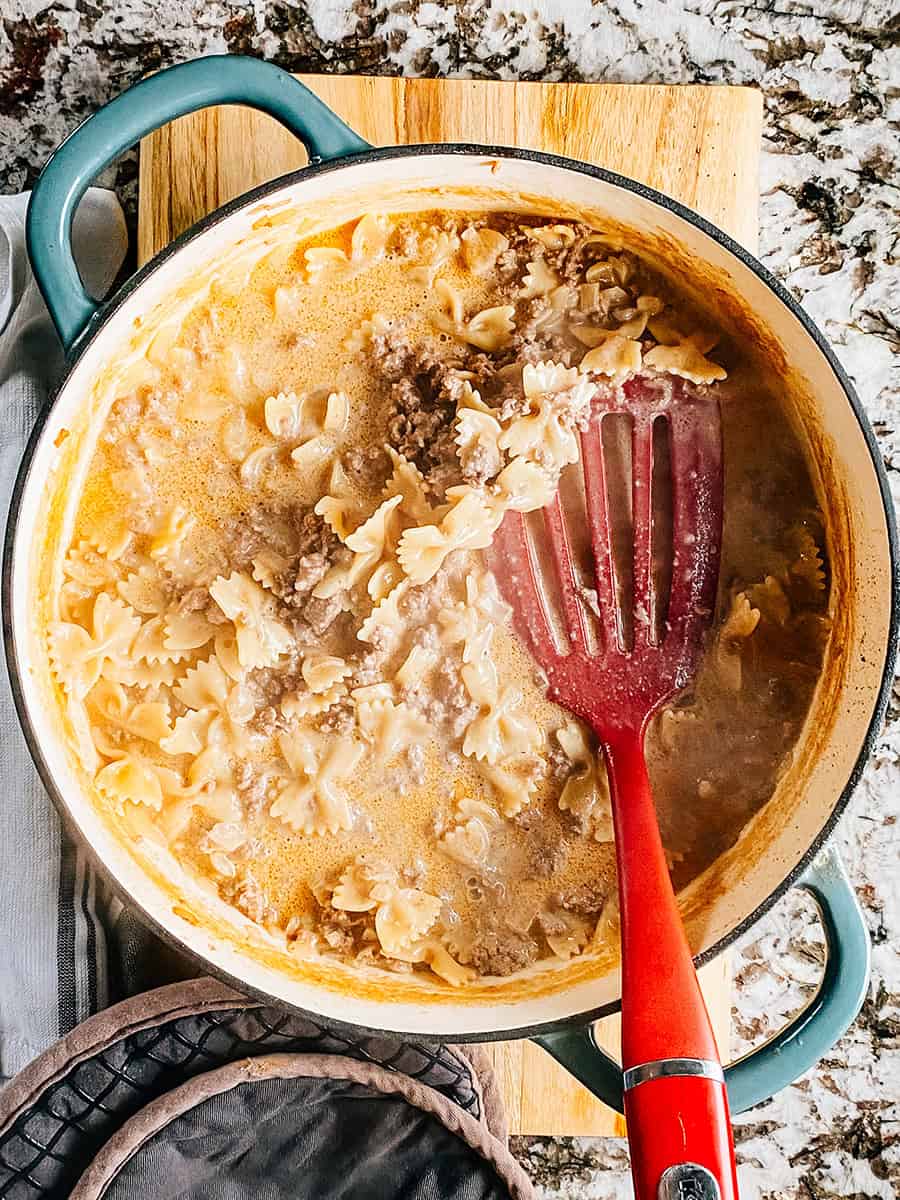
(276, 635)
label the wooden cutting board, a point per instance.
(698, 144)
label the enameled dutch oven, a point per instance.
(785, 844)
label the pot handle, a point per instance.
(171, 93)
(803, 1041)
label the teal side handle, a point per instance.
(793, 1050)
(218, 79)
(833, 1009)
(578, 1052)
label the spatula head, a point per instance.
(617, 633)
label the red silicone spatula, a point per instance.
(612, 662)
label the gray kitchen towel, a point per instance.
(52, 943)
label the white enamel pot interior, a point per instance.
(782, 837)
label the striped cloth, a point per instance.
(53, 943)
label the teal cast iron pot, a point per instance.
(787, 845)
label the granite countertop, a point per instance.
(830, 74)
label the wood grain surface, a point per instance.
(698, 144)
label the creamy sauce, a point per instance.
(198, 443)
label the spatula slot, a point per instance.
(616, 436)
(661, 536)
(513, 562)
(697, 496)
(573, 503)
(637, 498)
(547, 580)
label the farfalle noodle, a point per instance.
(314, 800)
(261, 639)
(586, 791)
(79, 656)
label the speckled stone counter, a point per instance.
(830, 73)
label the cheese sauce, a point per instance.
(452, 819)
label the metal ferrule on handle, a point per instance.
(666, 1067)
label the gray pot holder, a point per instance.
(193, 1092)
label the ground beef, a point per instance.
(309, 549)
(502, 952)
(462, 718)
(316, 549)
(268, 721)
(416, 607)
(420, 426)
(136, 414)
(260, 527)
(312, 532)
(448, 705)
(339, 929)
(198, 599)
(531, 345)
(339, 719)
(302, 631)
(243, 542)
(423, 394)
(569, 261)
(251, 787)
(528, 818)
(369, 668)
(559, 765)
(308, 572)
(393, 356)
(586, 899)
(424, 389)
(551, 923)
(368, 466)
(194, 600)
(486, 378)
(513, 403)
(271, 686)
(246, 893)
(479, 463)
(322, 613)
(296, 534)
(507, 265)
(546, 854)
(337, 939)
(545, 858)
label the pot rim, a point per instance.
(94, 329)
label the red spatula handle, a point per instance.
(675, 1104)
(679, 1132)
